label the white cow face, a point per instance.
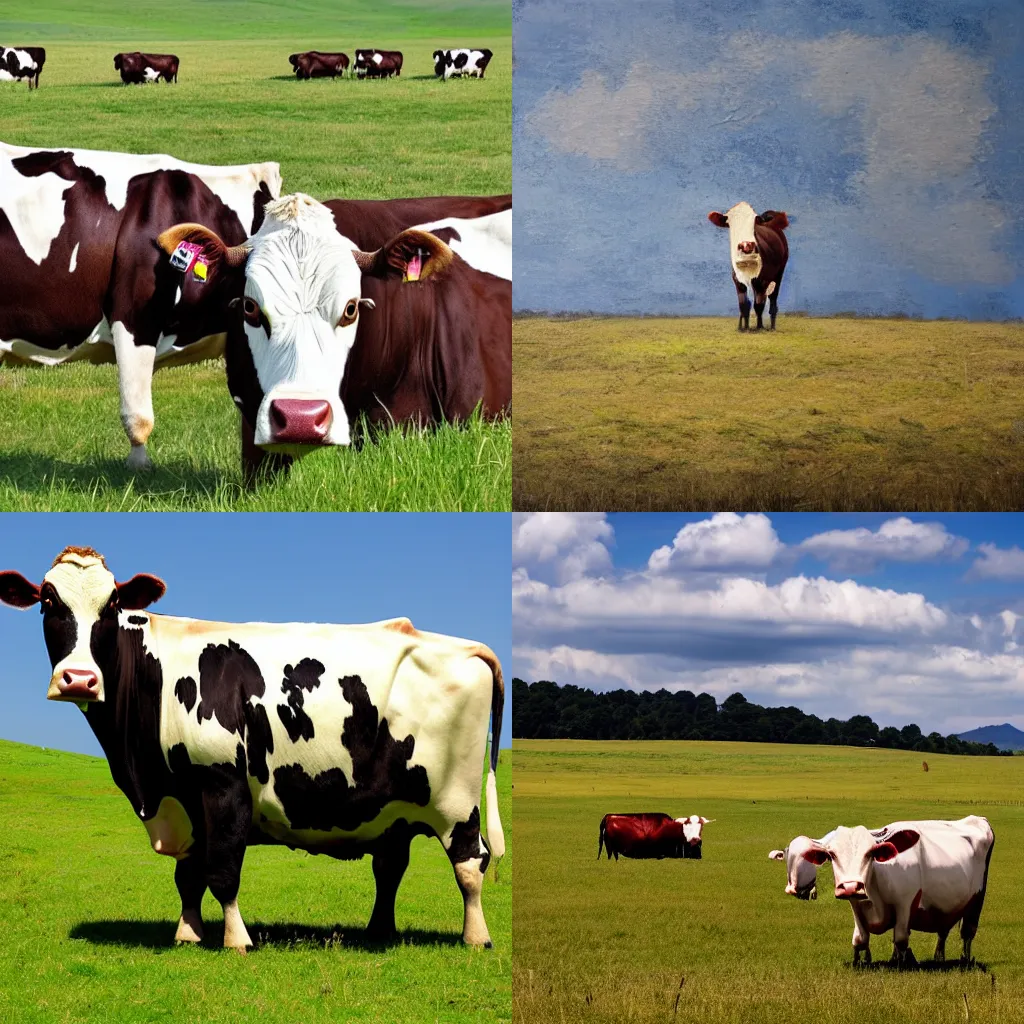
(803, 857)
(692, 828)
(855, 852)
(80, 604)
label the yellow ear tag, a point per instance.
(200, 270)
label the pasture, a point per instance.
(620, 941)
(88, 914)
(825, 414)
(237, 101)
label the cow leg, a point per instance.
(190, 878)
(389, 863)
(940, 947)
(228, 812)
(759, 301)
(135, 383)
(773, 303)
(470, 857)
(861, 939)
(741, 295)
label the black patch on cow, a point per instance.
(304, 676)
(380, 773)
(186, 691)
(260, 199)
(447, 235)
(138, 620)
(461, 60)
(228, 678)
(60, 631)
(465, 844)
(181, 764)
(259, 741)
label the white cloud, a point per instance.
(725, 542)
(571, 543)
(898, 540)
(999, 563)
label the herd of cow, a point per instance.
(908, 876)
(136, 68)
(329, 314)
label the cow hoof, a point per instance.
(138, 459)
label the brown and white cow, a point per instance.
(22, 62)
(316, 64)
(370, 63)
(345, 740)
(326, 331)
(910, 875)
(758, 251)
(84, 278)
(139, 68)
(647, 836)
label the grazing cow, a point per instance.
(759, 251)
(801, 873)
(314, 64)
(456, 63)
(325, 332)
(647, 836)
(344, 740)
(137, 68)
(83, 277)
(18, 62)
(378, 63)
(910, 875)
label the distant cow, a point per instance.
(137, 68)
(909, 875)
(456, 63)
(315, 64)
(378, 63)
(758, 250)
(21, 62)
(651, 836)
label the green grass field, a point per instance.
(88, 914)
(823, 415)
(237, 101)
(614, 941)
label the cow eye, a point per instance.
(251, 311)
(350, 314)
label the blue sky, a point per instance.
(906, 618)
(448, 573)
(888, 130)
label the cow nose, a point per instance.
(82, 684)
(695, 842)
(846, 890)
(299, 421)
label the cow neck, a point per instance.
(127, 722)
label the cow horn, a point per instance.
(365, 260)
(236, 255)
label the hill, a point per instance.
(1004, 736)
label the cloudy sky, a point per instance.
(888, 130)
(907, 619)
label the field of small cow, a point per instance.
(236, 101)
(825, 414)
(89, 911)
(716, 939)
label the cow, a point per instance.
(759, 251)
(84, 278)
(314, 64)
(456, 63)
(138, 68)
(339, 739)
(18, 62)
(378, 63)
(325, 332)
(646, 836)
(801, 873)
(909, 875)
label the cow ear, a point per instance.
(718, 219)
(777, 855)
(776, 218)
(214, 251)
(413, 254)
(707, 821)
(881, 852)
(16, 591)
(816, 855)
(140, 591)
(904, 839)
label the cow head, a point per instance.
(80, 602)
(692, 834)
(441, 60)
(854, 852)
(296, 290)
(803, 857)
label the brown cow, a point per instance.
(137, 68)
(378, 63)
(316, 64)
(647, 836)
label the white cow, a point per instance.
(459, 62)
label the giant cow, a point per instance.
(758, 251)
(18, 62)
(456, 63)
(325, 332)
(343, 740)
(316, 64)
(910, 875)
(139, 68)
(84, 278)
(370, 63)
(646, 836)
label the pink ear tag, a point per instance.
(185, 256)
(414, 267)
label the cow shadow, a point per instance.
(265, 935)
(924, 966)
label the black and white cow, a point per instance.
(344, 740)
(456, 63)
(18, 62)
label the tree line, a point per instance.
(545, 710)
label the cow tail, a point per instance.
(495, 836)
(600, 838)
